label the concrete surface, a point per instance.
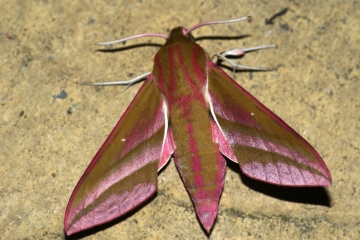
(50, 127)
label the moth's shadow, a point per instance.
(219, 37)
(306, 195)
(125, 48)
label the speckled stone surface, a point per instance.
(50, 127)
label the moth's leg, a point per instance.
(127, 82)
(240, 52)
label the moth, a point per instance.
(188, 108)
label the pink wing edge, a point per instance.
(138, 191)
(256, 170)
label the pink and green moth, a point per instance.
(191, 110)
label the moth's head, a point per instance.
(179, 34)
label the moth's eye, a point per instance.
(191, 37)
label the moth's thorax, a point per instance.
(180, 68)
(181, 75)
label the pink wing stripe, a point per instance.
(259, 143)
(266, 147)
(125, 166)
(283, 174)
(277, 173)
(127, 169)
(144, 130)
(115, 205)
